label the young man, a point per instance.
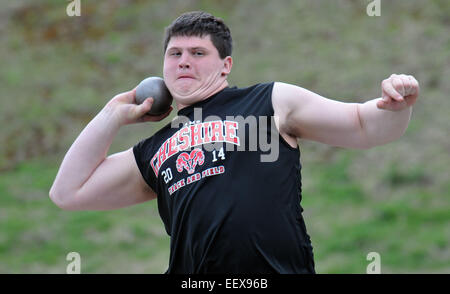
(226, 210)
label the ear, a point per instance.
(227, 65)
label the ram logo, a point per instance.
(190, 161)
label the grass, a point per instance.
(36, 235)
(409, 231)
(57, 73)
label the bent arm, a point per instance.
(307, 115)
(89, 180)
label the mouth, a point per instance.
(185, 77)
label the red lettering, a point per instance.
(217, 129)
(176, 186)
(193, 178)
(173, 145)
(230, 132)
(183, 138)
(196, 135)
(206, 138)
(162, 154)
(155, 166)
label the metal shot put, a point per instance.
(156, 88)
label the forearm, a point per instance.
(382, 126)
(86, 154)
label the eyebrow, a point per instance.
(188, 48)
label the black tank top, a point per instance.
(225, 208)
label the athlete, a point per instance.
(226, 207)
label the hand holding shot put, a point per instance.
(129, 108)
(226, 211)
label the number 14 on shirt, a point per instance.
(221, 155)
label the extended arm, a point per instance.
(304, 114)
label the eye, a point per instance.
(175, 53)
(199, 53)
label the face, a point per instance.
(193, 69)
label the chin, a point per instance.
(186, 100)
(184, 93)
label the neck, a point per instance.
(222, 86)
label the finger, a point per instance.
(415, 89)
(392, 105)
(397, 82)
(145, 107)
(407, 84)
(161, 116)
(413, 86)
(150, 117)
(381, 104)
(388, 89)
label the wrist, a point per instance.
(110, 118)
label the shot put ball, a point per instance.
(156, 88)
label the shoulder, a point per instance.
(287, 98)
(282, 93)
(283, 96)
(254, 90)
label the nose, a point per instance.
(184, 62)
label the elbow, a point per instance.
(57, 198)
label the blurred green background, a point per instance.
(57, 72)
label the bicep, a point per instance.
(305, 114)
(116, 183)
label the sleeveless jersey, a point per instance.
(227, 210)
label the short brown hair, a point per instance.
(199, 23)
